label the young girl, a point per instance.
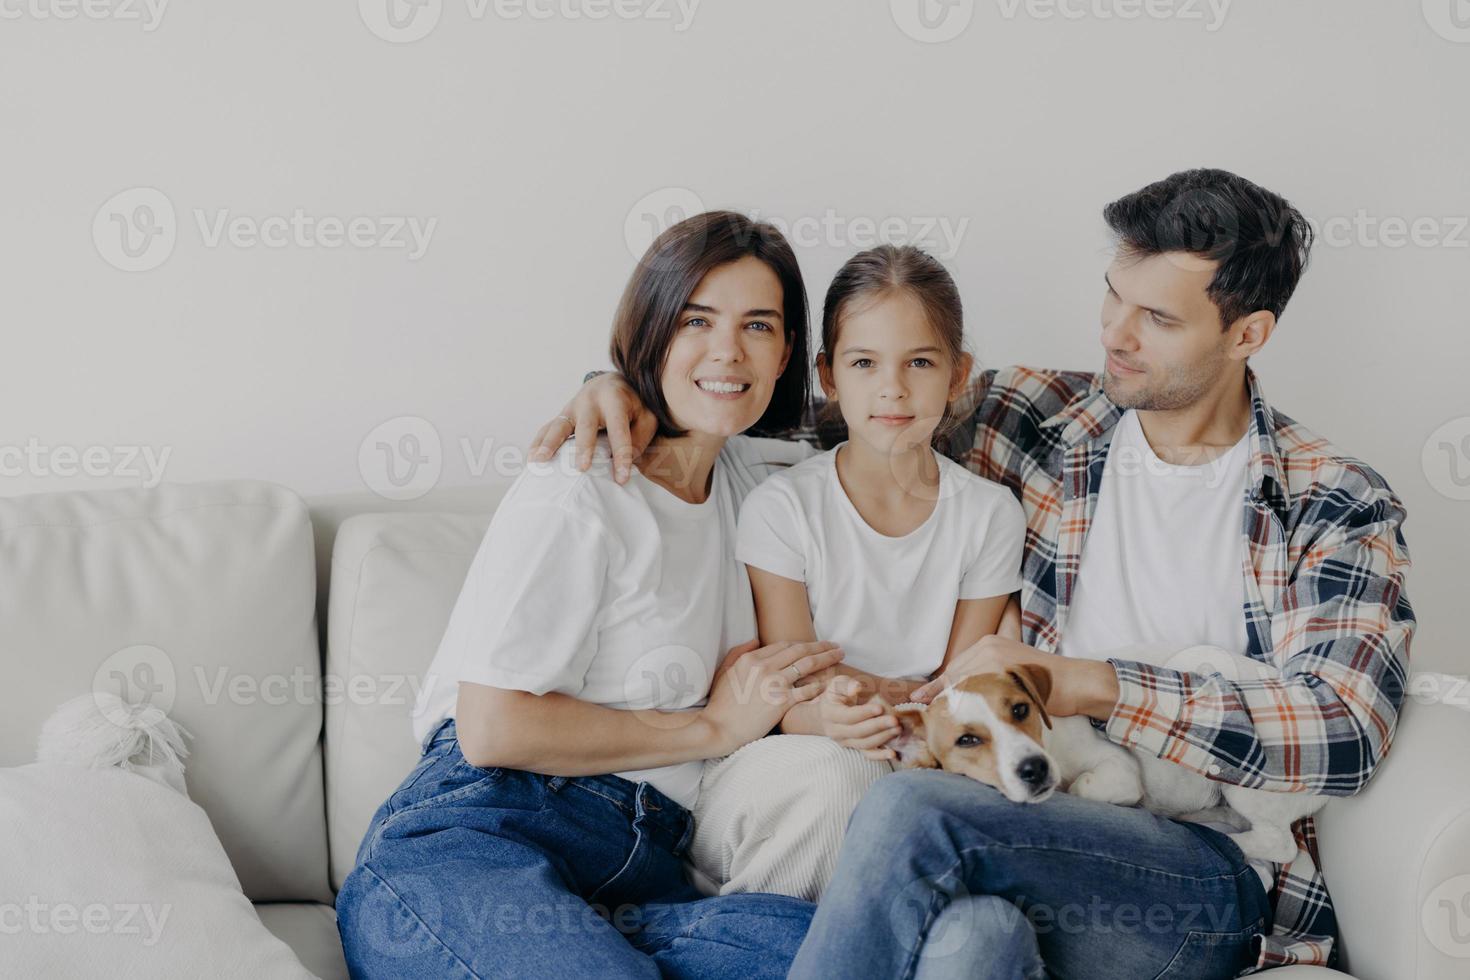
(882, 545)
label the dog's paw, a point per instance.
(1106, 789)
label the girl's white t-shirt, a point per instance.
(623, 596)
(888, 601)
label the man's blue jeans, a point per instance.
(469, 872)
(941, 876)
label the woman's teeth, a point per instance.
(722, 387)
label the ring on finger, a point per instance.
(795, 673)
(567, 419)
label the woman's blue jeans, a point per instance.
(469, 872)
(941, 876)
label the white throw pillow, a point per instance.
(107, 873)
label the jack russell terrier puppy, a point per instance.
(987, 727)
(994, 728)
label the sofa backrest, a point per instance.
(395, 578)
(198, 597)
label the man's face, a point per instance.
(1162, 334)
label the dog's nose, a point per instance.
(1033, 770)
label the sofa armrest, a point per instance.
(1396, 857)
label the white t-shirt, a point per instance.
(889, 602)
(623, 596)
(1164, 560)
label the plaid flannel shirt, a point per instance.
(1325, 606)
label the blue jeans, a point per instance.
(941, 876)
(470, 872)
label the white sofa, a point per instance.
(221, 587)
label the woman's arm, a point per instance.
(559, 735)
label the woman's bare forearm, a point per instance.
(562, 736)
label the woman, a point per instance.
(579, 684)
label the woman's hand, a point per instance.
(755, 687)
(606, 402)
(851, 718)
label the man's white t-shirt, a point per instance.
(1164, 560)
(888, 601)
(1165, 557)
(622, 596)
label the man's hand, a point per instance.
(1079, 687)
(853, 719)
(606, 402)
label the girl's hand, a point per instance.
(755, 687)
(853, 720)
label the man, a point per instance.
(1167, 505)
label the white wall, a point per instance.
(535, 143)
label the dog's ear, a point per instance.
(912, 741)
(1036, 683)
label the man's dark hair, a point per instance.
(1259, 240)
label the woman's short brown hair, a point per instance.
(659, 289)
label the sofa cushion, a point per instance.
(310, 929)
(117, 875)
(395, 578)
(198, 597)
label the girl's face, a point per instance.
(729, 350)
(889, 374)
